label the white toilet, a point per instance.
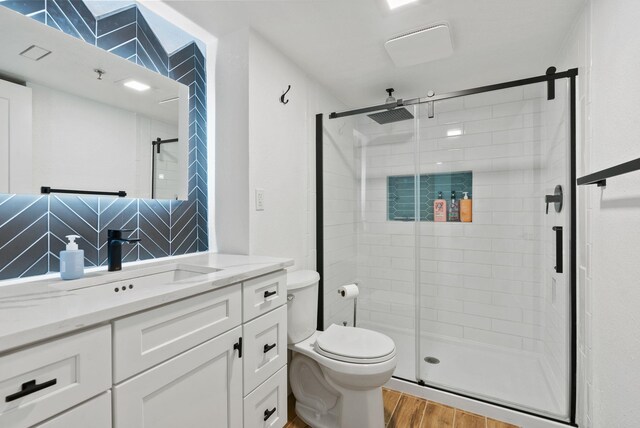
(335, 375)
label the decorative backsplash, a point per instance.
(32, 227)
(401, 193)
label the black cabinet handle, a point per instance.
(238, 346)
(29, 388)
(558, 230)
(268, 413)
(268, 348)
(269, 293)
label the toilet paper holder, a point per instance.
(341, 293)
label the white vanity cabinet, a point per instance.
(215, 359)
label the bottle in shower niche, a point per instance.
(440, 208)
(454, 208)
(465, 208)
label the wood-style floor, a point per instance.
(406, 411)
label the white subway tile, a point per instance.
(518, 329)
(439, 328)
(464, 319)
(473, 269)
(493, 338)
(493, 311)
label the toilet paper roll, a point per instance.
(349, 291)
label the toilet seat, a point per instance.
(354, 345)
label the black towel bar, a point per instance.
(45, 190)
(600, 177)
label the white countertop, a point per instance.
(42, 307)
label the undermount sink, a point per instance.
(135, 279)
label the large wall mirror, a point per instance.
(74, 117)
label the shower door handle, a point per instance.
(558, 266)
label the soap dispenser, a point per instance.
(72, 260)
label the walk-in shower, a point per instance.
(483, 307)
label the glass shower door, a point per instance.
(494, 314)
(369, 166)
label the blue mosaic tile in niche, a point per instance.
(32, 227)
(401, 193)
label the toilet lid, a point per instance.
(301, 278)
(356, 345)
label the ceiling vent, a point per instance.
(35, 53)
(421, 45)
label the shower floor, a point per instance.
(512, 378)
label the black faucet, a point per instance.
(114, 247)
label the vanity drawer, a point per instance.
(95, 413)
(143, 340)
(62, 373)
(260, 295)
(266, 407)
(265, 347)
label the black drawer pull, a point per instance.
(268, 413)
(29, 388)
(238, 346)
(269, 293)
(268, 348)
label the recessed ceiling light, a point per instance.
(35, 53)
(394, 4)
(454, 132)
(438, 163)
(138, 86)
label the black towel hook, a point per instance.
(282, 100)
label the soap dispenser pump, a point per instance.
(72, 260)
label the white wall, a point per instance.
(231, 168)
(601, 44)
(278, 154)
(263, 144)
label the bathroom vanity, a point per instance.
(194, 341)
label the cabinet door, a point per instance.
(199, 388)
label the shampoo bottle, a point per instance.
(72, 260)
(465, 208)
(440, 208)
(454, 208)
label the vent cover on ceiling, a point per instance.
(421, 45)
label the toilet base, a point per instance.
(321, 402)
(315, 419)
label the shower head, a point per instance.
(393, 114)
(390, 116)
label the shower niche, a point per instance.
(401, 194)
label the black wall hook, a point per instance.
(282, 100)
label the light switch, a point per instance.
(259, 199)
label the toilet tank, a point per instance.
(302, 304)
